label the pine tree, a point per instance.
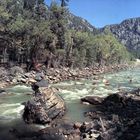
(64, 3)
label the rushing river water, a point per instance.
(11, 108)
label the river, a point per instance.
(71, 91)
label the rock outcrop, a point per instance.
(44, 107)
(117, 117)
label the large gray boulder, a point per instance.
(45, 106)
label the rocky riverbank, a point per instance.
(17, 75)
(116, 117)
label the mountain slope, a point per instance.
(78, 23)
(128, 33)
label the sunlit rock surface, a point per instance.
(128, 33)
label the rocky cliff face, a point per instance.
(128, 32)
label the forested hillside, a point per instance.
(31, 31)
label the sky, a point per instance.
(104, 12)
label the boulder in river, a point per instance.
(2, 90)
(94, 100)
(45, 106)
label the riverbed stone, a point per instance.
(2, 91)
(44, 107)
(64, 130)
(39, 76)
(94, 100)
(23, 80)
(77, 125)
(31, 81)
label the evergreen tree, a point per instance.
(64, 3)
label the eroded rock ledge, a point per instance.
(44, 107)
